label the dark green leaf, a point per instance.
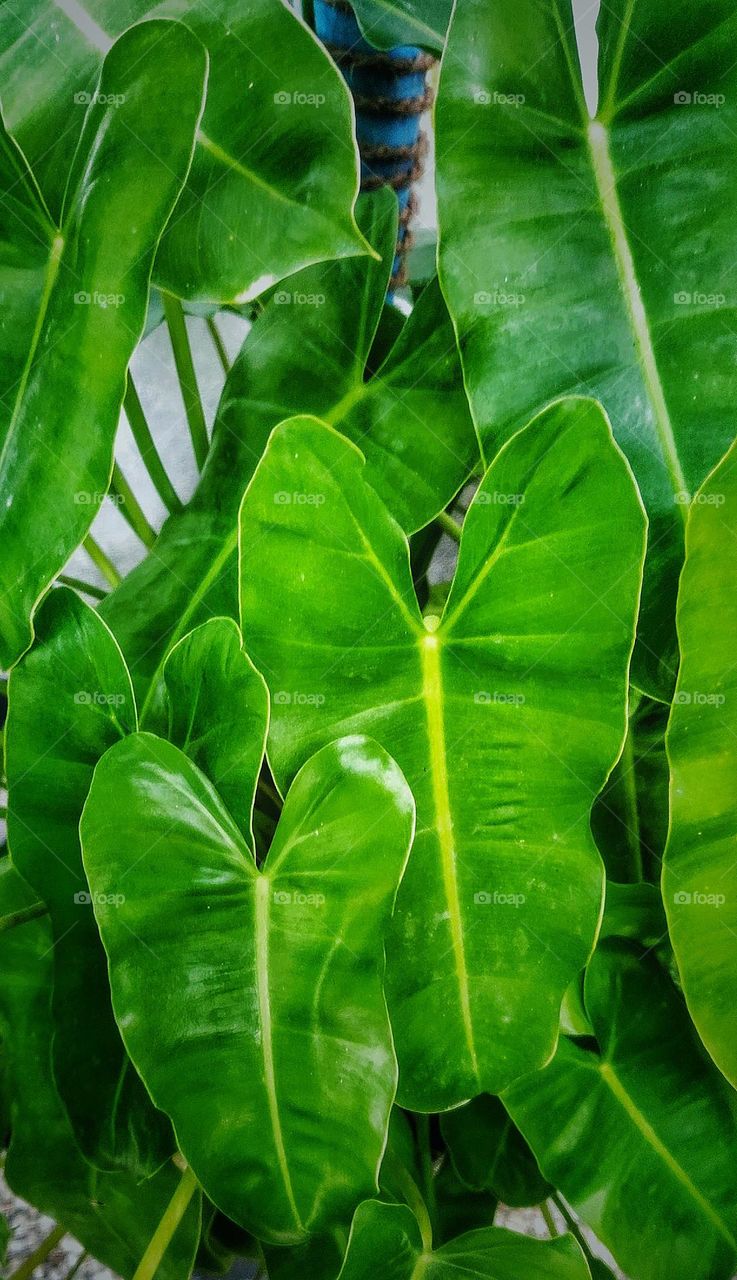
(113, 1215)
(639, 1136)
(574, 253)
(274, 176)
(251, 1001)
(489, 1152)
(501, 901)
(400, 22)
(70, 698)
(89, 310)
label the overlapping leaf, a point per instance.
(89, 308)
(638, 1133)
(577, 251)
(251, 1000)
(489, 1152)
(113, 1215)
(385, 1238)
(699, 868)
(275, 173)
(70, 699)
(500, 904)
(404, 22)
(308, 352)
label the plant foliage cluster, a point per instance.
(342, 904)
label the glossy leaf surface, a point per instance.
(400, 22)
(258, 1022)
(385, 1239)
(577, 250)
(275, 173)
(89, 310)
(307, 352)
(70, 698)
(500, 904)
(699, 868)
(113, 1215)
(218, 712)
(639, 1136)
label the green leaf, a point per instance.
(630, 817)
(274, 176)
(501, 901)
(575, 250)
(89, 310)
(457, 1209)
(385, 23)
(113, 1215)
(489, 1153)
(385, 1240)
(218, 712)
(258, 1021)
(308, 352)
(639, 1135)
(70, 698)
(698, 872)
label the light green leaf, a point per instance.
(630, 817)
(218, 712)
(698, 872)
(258, 1022)
(385, 1240)
(639, 1134)
(275, 172)
(70, 698)
(308, 352)
(576, 250)
(113, 1215)
(489, 1152)
(501, 901)
(89, 310)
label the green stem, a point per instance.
(71, 1273)
(449, 526)
(97, 593)
(39, 1255)
(101, 561)
(218, 344)
(141, 433)
(549, 1219)
(415, 1201)
(422, 1123)
(22, 917)
(162, 1236)
(573, 1226)
(177, 325)
(130, 508)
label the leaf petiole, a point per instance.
(177, 326)
(164, 1233)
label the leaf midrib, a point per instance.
(627, 1102)
(432, 690)
(261, 931)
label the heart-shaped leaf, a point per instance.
(251, 1000)
(89, 310)
(501, 901)
(404, 22)
(698, 872)
(385, 1239)
(575, 248)
(275, 173)
(638, 1133)
(70, 698)
(113, 1215)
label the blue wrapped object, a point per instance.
(390, 93)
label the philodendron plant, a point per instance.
(371, 845)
